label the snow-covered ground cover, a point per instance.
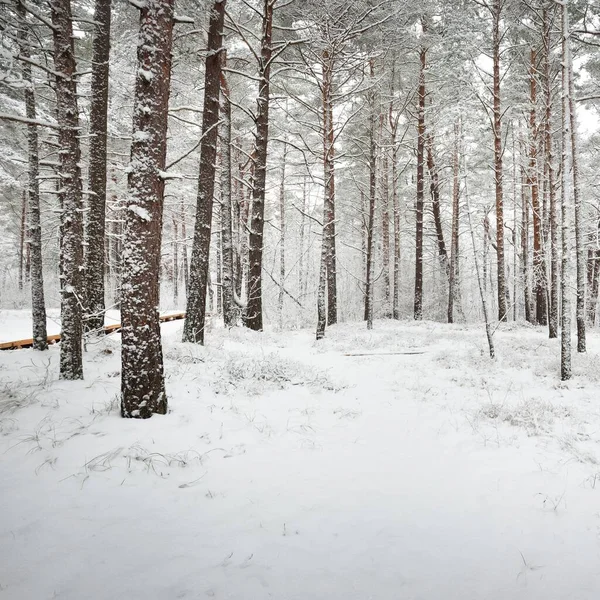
(388, 465)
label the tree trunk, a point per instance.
(302, 226)
(38, 303)
(329, 177)
(184, 249)
(71, 251)
(453, 280)
(282, 237)
(142, 380)
(96, 215)
(579, 217)
(385, 223)
(565, 334)
(22, 239)
(436, 208)
(372, 194)
(525, 249)
(193, 329)
(539, 264)
(226, 202)
(396, 209)
(175, 249)
(549, 177)
(254, 313)
(418, 298)
(501, 270)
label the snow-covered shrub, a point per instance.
(254, 374)
(534, 415)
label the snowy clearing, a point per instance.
(289, 470)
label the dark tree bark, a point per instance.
(226, 202)
(96, 215)
(193, 329)
(142, 380)
(329, 178)
(420, 204)
(71, 251)
(371, 219)
(496, 8)
(254, 313)
(436, 206)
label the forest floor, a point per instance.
(292, 470)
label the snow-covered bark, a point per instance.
(539, 264)
(96, 214)
(418, 297)
(579, 223)
(38, 304)
(565, 204)
(193, 330)
(226, 202)
(550, 172)
(327, 65)
(453, 272)
(254, 312)
(496, 8)
(71, 250)
(142, 378)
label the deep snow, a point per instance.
(289, 470)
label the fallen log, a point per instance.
(108, 329)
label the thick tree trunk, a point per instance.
(254, 312)
(453, 275)
(96, 214)
(195, 318)
(565, 334)
(496, 8)
(142, 380)
(226, 202)
(420, 203)
(71, 251)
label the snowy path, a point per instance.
(289, 471)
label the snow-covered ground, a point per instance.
(293, 470)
